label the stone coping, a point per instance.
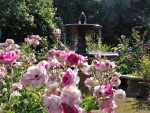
(92, 53)
(131, 77)
(103, 54)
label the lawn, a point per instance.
(132, 105)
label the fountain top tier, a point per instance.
(82, 28)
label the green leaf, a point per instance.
(35, 95)
(89, 104)
(5, 111)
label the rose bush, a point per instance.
(51, 85)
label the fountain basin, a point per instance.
(84, 29)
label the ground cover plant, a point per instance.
(51, 84)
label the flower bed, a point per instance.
(51, 85)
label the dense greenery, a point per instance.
(116, 16)
(19, 18)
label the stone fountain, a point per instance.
(82, 30)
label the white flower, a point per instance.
(15, 93)
(120, 94)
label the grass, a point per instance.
(132, 105)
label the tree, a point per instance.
(19, 18)
(115, 16)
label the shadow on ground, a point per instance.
(138, 103)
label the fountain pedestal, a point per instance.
(82, 30)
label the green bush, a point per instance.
(19, 18)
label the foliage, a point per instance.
(19, 18)
(89, 104)
(131, 52)
(93, 46)
(145, 67)
(116, 16)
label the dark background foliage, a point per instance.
(117, 17)
(19, 18)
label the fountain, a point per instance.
(82, 29)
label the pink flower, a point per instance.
(2, 71)
(4, 90)
(43, 63)
(57, 32)
(52, 103)
(148, 45)
(85, 68)
(8, 57)
(101, 66)
(53, 63)
(69, 108)
(51, 53)
(90, 82)
(35, 75)
(71, 95)
(120, 94)
(115, 81)
(108, 106)
(70, 77)
(73, 59)
(104, 90)
(18, 64)
(16, 86)
(81, 110)
(10, 41)
(116, 75)
(37, 37)
(98, 56)
(111, 65)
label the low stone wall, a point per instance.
(132, 82)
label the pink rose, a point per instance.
(85, 68)
(35, 75)
(37, 37)
(111, 65)
(4, 90)
(68, 108)
(73, 59)
(57, 32)
(52, 103)
(70, 77)
(101, 66)
(8, 57)
(43, 63)
(2, 71)
(115, 81)
(90, 82)
(108, 106)
(104, 90)
(16, 86)
(51, 53)
(53, 63)
(10, 41)
(120, 94)
(71, 95)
